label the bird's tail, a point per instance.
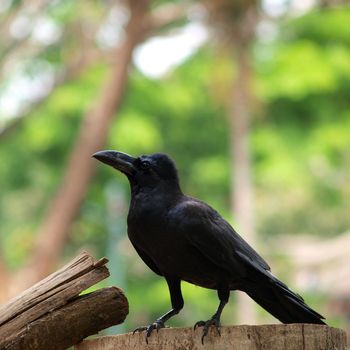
(276, 298)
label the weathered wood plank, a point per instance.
(84, 316)
(267, 337)
(33, 295)
(51, 293)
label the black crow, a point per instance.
(183, 239)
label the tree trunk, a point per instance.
(242, 196)
(94, 130)
(240, 116)
(271, 337)
(241, 193)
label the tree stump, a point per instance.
(267, 337)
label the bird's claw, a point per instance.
(139, 329)
(157, 324)
(198, 324)
(206, 324)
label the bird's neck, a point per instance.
(163, 194)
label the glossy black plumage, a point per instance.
(182, 238)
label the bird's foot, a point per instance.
(214, 321)
(157, 324)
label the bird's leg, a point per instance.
(177, 304)
(215, 319)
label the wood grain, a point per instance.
(50, 294)
(33, 295)
(267, 337)
(84, 316)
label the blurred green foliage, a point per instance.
(300, 147)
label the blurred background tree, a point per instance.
(266, 83)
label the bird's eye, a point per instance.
(145, 164)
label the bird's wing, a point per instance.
(147, 260)
(206, 230)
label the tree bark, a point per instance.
(94, 130)
(271, 337)
(75, 321)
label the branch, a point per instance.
(165, 16)
(78, 64)
(33, 9)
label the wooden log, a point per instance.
(84, 316)
(267, 337)
(50, 294)
(79, 266)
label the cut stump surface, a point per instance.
(267, 337)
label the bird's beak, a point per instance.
(118, 160)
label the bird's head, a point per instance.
(149, 171)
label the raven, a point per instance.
(184, 239)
